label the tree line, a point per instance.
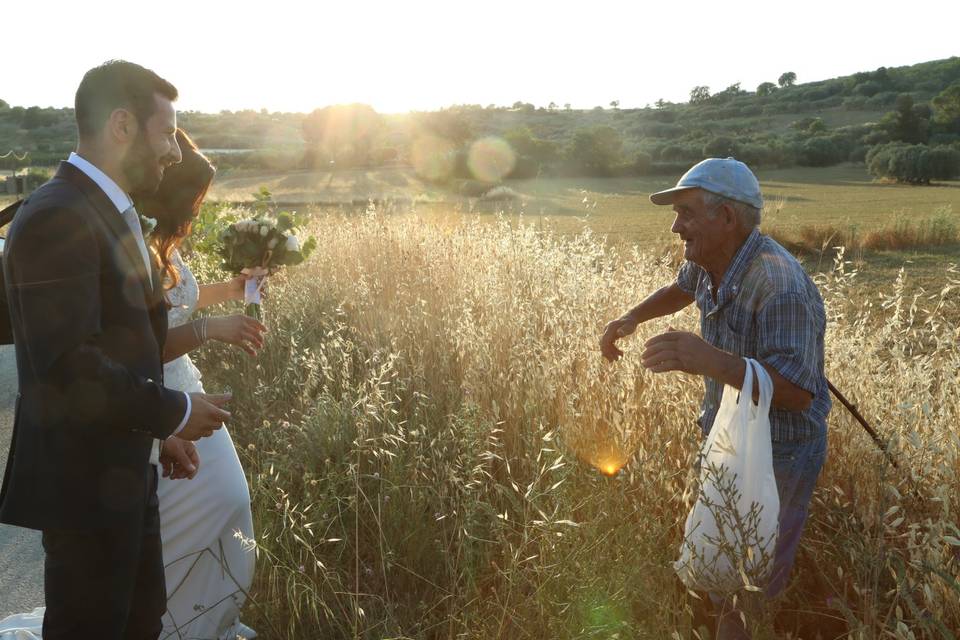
(879, 118)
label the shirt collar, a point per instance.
(741, 261)
(117, 196)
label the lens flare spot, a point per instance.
(609, 459)
(610, 465)
(433, 157)
(491, 159)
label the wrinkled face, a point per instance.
(702, 229)
(154, 149)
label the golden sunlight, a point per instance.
(609, 462)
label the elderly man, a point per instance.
(755, 301)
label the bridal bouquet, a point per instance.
(259, 246)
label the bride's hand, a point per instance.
(241, 331)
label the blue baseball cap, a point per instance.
(722, 176)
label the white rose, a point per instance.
(264, 230)
(292, 244)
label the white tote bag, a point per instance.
(731, 532)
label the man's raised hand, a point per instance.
(206, 415)
(619, 328)
(679, 351)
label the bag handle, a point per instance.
(764, 383)
(746, 389)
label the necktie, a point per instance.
(132, 218)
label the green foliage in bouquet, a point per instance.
(264, 241)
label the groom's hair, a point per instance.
(117, 84)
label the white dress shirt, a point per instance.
(122, 201)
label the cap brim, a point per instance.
(667, 196)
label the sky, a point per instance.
(400, 55)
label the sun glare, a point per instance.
(610, 463)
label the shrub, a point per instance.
(823, 151)
(721, 147)
(671, 153)
(868, 88)
(913, 164)
(595, 151)
(765, 89)
(942, 163)
(854, 103)
(859, 153)
(662, 130)
(882, 100)
(642, 163)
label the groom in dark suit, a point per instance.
(89, 322)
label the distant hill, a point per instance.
(813, 124)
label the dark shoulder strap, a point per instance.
(7, 214)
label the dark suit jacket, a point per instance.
(89, 333)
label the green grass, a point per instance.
(844, 197)
(618, 207)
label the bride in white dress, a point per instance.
(209, 569)
(203, 521)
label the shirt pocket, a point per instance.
(737, 333)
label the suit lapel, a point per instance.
(114, 221)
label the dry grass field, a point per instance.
(426, 428)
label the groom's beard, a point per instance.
(143, 168)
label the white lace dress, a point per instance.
(208, 568)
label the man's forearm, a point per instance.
(114, 396)
(730, 370)
(662, 302)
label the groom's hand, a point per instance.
(206, 415)
(179, 459)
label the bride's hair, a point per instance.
(176, 203)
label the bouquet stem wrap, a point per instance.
(253, 291)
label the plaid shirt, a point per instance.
(767, 308)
